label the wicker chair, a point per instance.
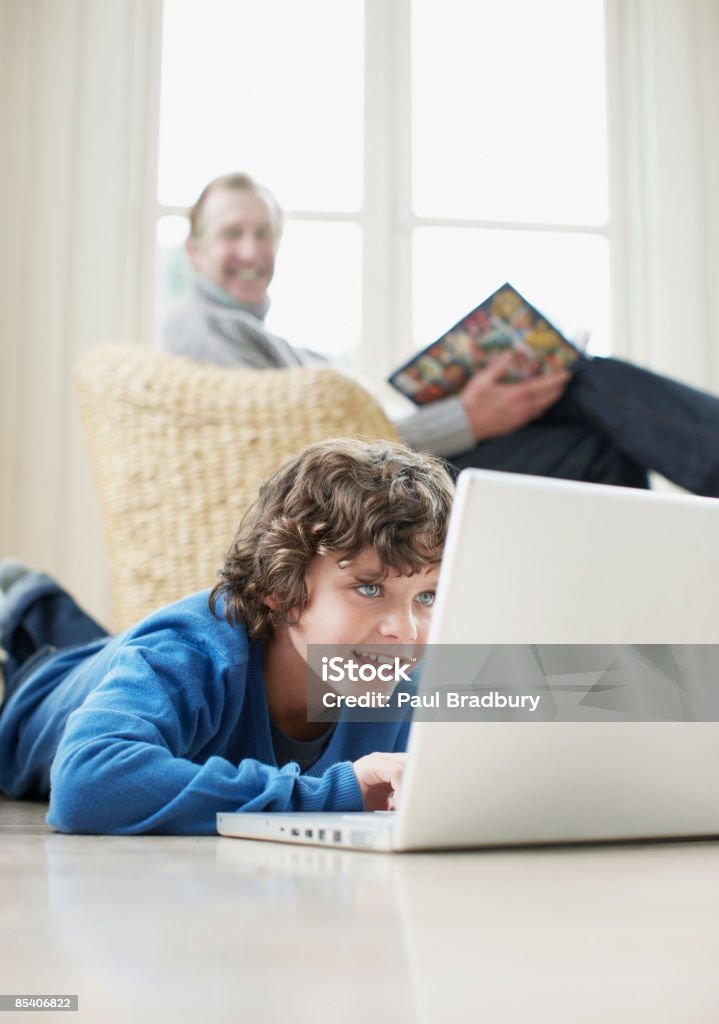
(178, 449)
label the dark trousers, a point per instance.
(614, 423)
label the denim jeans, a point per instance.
(37, 619)
(614, 423)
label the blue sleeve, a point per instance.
(139, 754)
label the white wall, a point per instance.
(78, 121)
(78, 116)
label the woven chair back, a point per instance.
(178, 449)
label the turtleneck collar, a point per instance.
(213, 293)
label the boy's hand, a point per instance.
(494, 407)
(380, 777)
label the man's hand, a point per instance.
(494, 408)
(380, 777)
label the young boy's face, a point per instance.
(355, 605)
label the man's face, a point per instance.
(237, 245)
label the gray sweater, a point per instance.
(212, 327)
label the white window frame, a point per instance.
(389, 220)
(386, 218)
(663, 144)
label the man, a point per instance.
(609, 422)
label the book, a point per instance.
(504, 321)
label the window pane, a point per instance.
(172, 269)
(566, 276)
(509, 118)
(175, 271)
(257, 87)
(316, 292)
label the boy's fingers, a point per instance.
(379, 769)
(389, 768)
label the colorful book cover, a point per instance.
(503, 322)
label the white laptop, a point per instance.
(535, 561)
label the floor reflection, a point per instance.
(228, 929)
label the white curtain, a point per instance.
(663, 64)
(80, 88)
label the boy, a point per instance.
(202, 707)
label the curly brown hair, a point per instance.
(337, 497)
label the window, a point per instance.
(424, 150)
